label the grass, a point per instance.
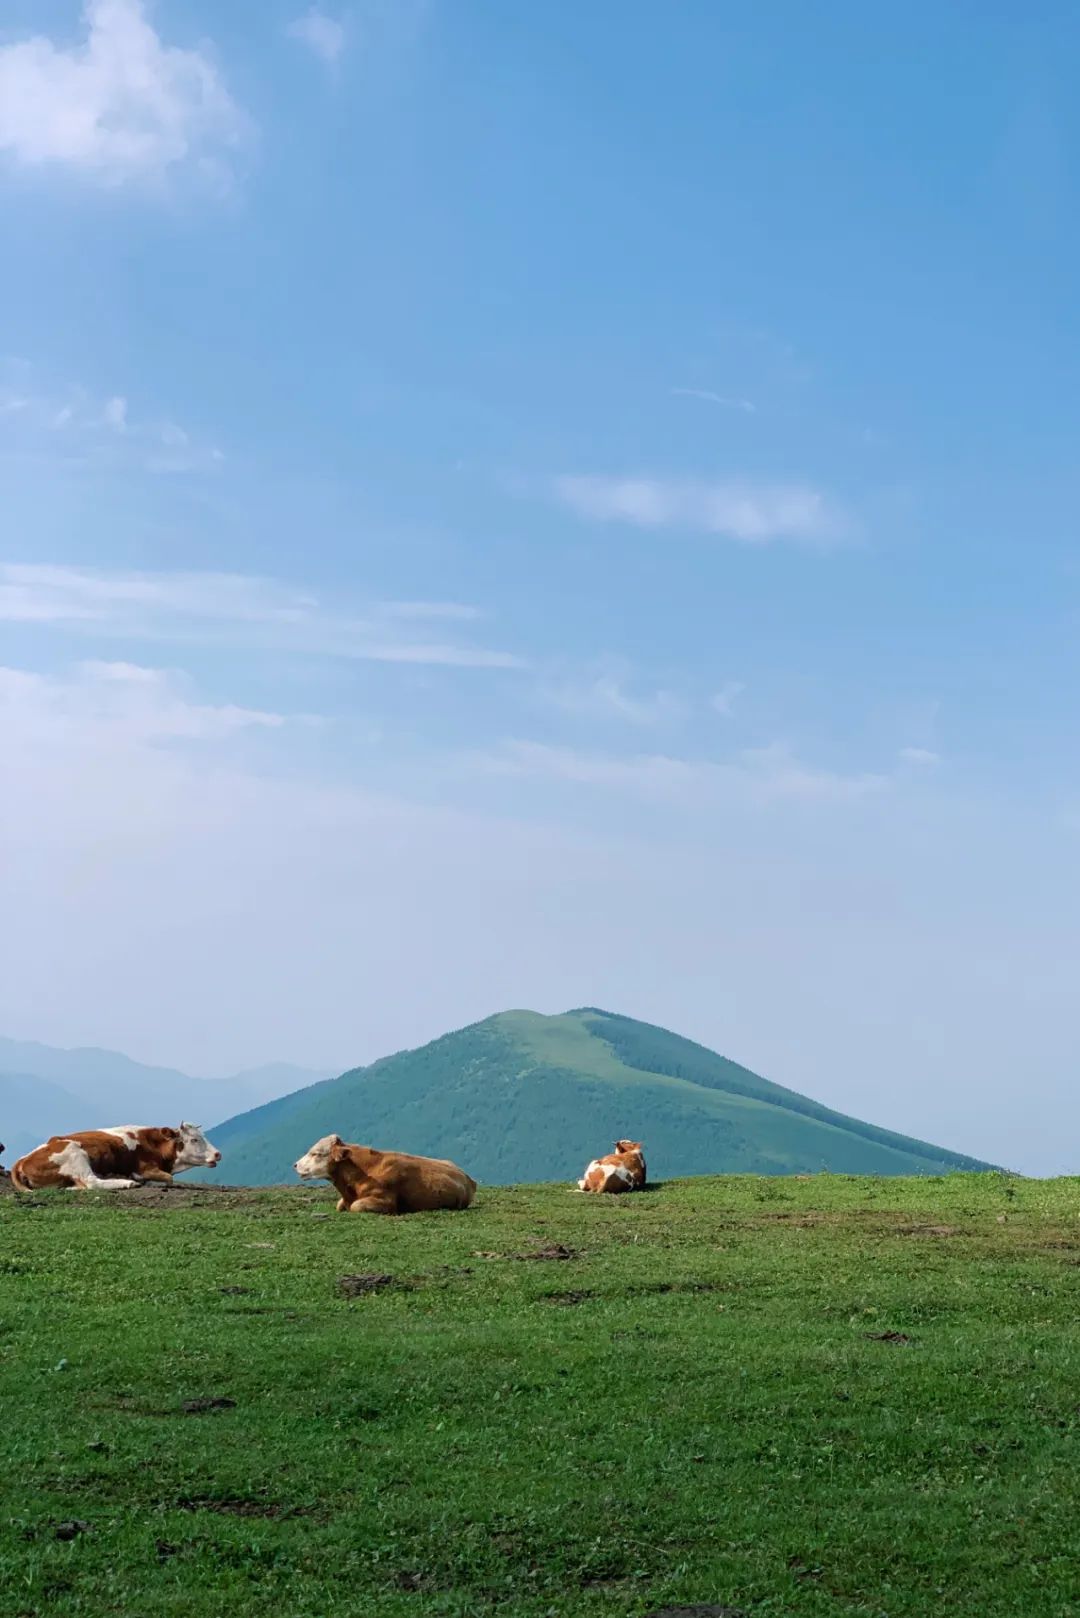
(702, 1404)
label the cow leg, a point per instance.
(158, 1176)
(374, 1203)
(75, 1166)
(342, 1205)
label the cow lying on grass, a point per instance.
(114, 1159)
(622, 1170)
(368, 1181)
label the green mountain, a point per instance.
(523, 1097)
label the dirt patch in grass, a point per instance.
(236, 1506)
(659, 1288)
(358, 1286)
(928, 1230)
(551, 1252)
(247, 1311)
(703, 1610)
(567, 1299)
(200, 1407)
(71, 1529)
(899, 1339)
(548, 1252)
(175, 1197)
(413, 1580)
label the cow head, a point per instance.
(315, 1163)
(193, 1150)
(628, 1146)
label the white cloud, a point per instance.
(104, 706)
(723, 701)
(116, 414)
(780, 775)
(430, 609)
(756, 775)
(923, 756)
(228, 608)
(119, 106)
(71, 426)
(606, 697)
(324, 36)
(749, 512)
(707, 396)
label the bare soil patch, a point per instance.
(358, 1286)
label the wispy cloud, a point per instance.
(924, 757)
(756, 775)
(753, 513)
(72, 426)
(707, 396)
(723, 701)
(120, 105)
(323, 35)
(607, 697)
(430, 609)
(116, 414)
(230, 608)
(121, 704)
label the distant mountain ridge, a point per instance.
(523, 1097)
(44, 1089)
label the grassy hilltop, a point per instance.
(526, 1097)
(819, 1397)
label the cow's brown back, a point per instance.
(406, 1184)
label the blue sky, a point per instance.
(548, 505)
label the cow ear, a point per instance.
(171, 1134)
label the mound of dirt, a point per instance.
(167, 1196)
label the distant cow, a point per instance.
(114, 1159)
(622, 1170)
(369, 1181)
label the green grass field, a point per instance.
(705, 1403)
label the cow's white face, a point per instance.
(315, 1163)
(194, 1151)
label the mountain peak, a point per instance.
(528, 1096)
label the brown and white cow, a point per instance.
(114, 1159)
(369, 1181)
(622, 1170)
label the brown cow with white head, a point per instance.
(622, 1170)
(114, 1159)
(370, 1181)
